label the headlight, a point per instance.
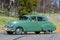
(8, 26)
(11, 25)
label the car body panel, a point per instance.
(31, 26)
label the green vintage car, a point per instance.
(30, 23)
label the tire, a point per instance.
(37, 32)
(25, 32)
(8, 32)
(18, 31)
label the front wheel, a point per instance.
(18, 31)
(9, 32)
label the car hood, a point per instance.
(14, 22)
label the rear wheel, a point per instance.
(18, 31)
(37, 32)
(9, 32)
(25, 32)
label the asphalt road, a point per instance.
(53, 36)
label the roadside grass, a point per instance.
(56, 23)
(5, 19)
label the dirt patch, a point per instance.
(2, 30)
(57, 30)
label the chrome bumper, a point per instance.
(9, 29)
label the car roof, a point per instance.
(37, 15)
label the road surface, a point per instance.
(53, 36)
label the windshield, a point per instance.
(23, 18)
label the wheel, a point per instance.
(18, 31)
(25, 32)
(37, 32)
(9, 32)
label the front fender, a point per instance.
(17, 25)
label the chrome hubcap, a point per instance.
(19, 31)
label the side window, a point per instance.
(33, 18)
(41, 19)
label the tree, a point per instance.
(47, 6)
(59, 4)
(27, 6)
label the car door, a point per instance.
(41, 20)
(32, 24)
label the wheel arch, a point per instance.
(20, 27)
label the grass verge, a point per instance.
(4, 19)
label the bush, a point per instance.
(4, 12)
(27, 6)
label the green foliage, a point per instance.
(3, 12)
(27, 6)
(4, 19)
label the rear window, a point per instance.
(23, 18)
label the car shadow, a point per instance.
(31, 34)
